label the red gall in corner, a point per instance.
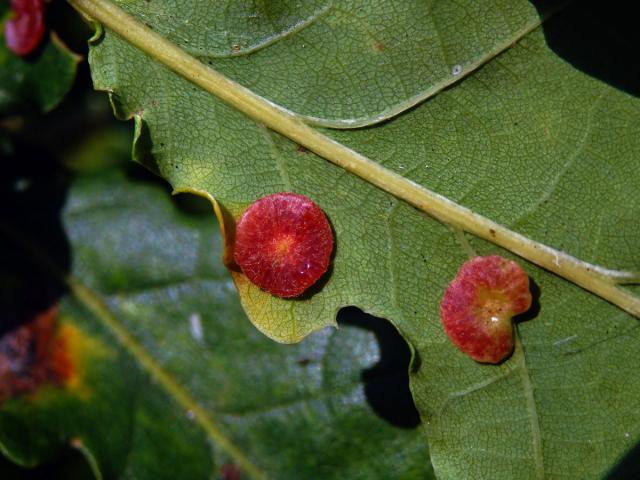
(25, 29)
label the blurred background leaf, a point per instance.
(334, 406)
(38, 82)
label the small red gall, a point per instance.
(25, 29)
(478, 306)
(283, 243)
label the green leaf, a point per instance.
(168, 368)
(343, 63)
(528, 141)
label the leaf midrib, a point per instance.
(94, 303)
(593, 278)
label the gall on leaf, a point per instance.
(25, 29)
(478, 306)
(283, 243)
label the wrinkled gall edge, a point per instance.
(478, 306)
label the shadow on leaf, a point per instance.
(386, 382)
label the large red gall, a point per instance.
(25, 29)
(283, 243)
(478, 306)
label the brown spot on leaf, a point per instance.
(301, 149)
(235, 48)
(378, 46)
(228, 471)
(77, 443)
(492, 232)
(32, 355)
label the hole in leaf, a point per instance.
(386, 382)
